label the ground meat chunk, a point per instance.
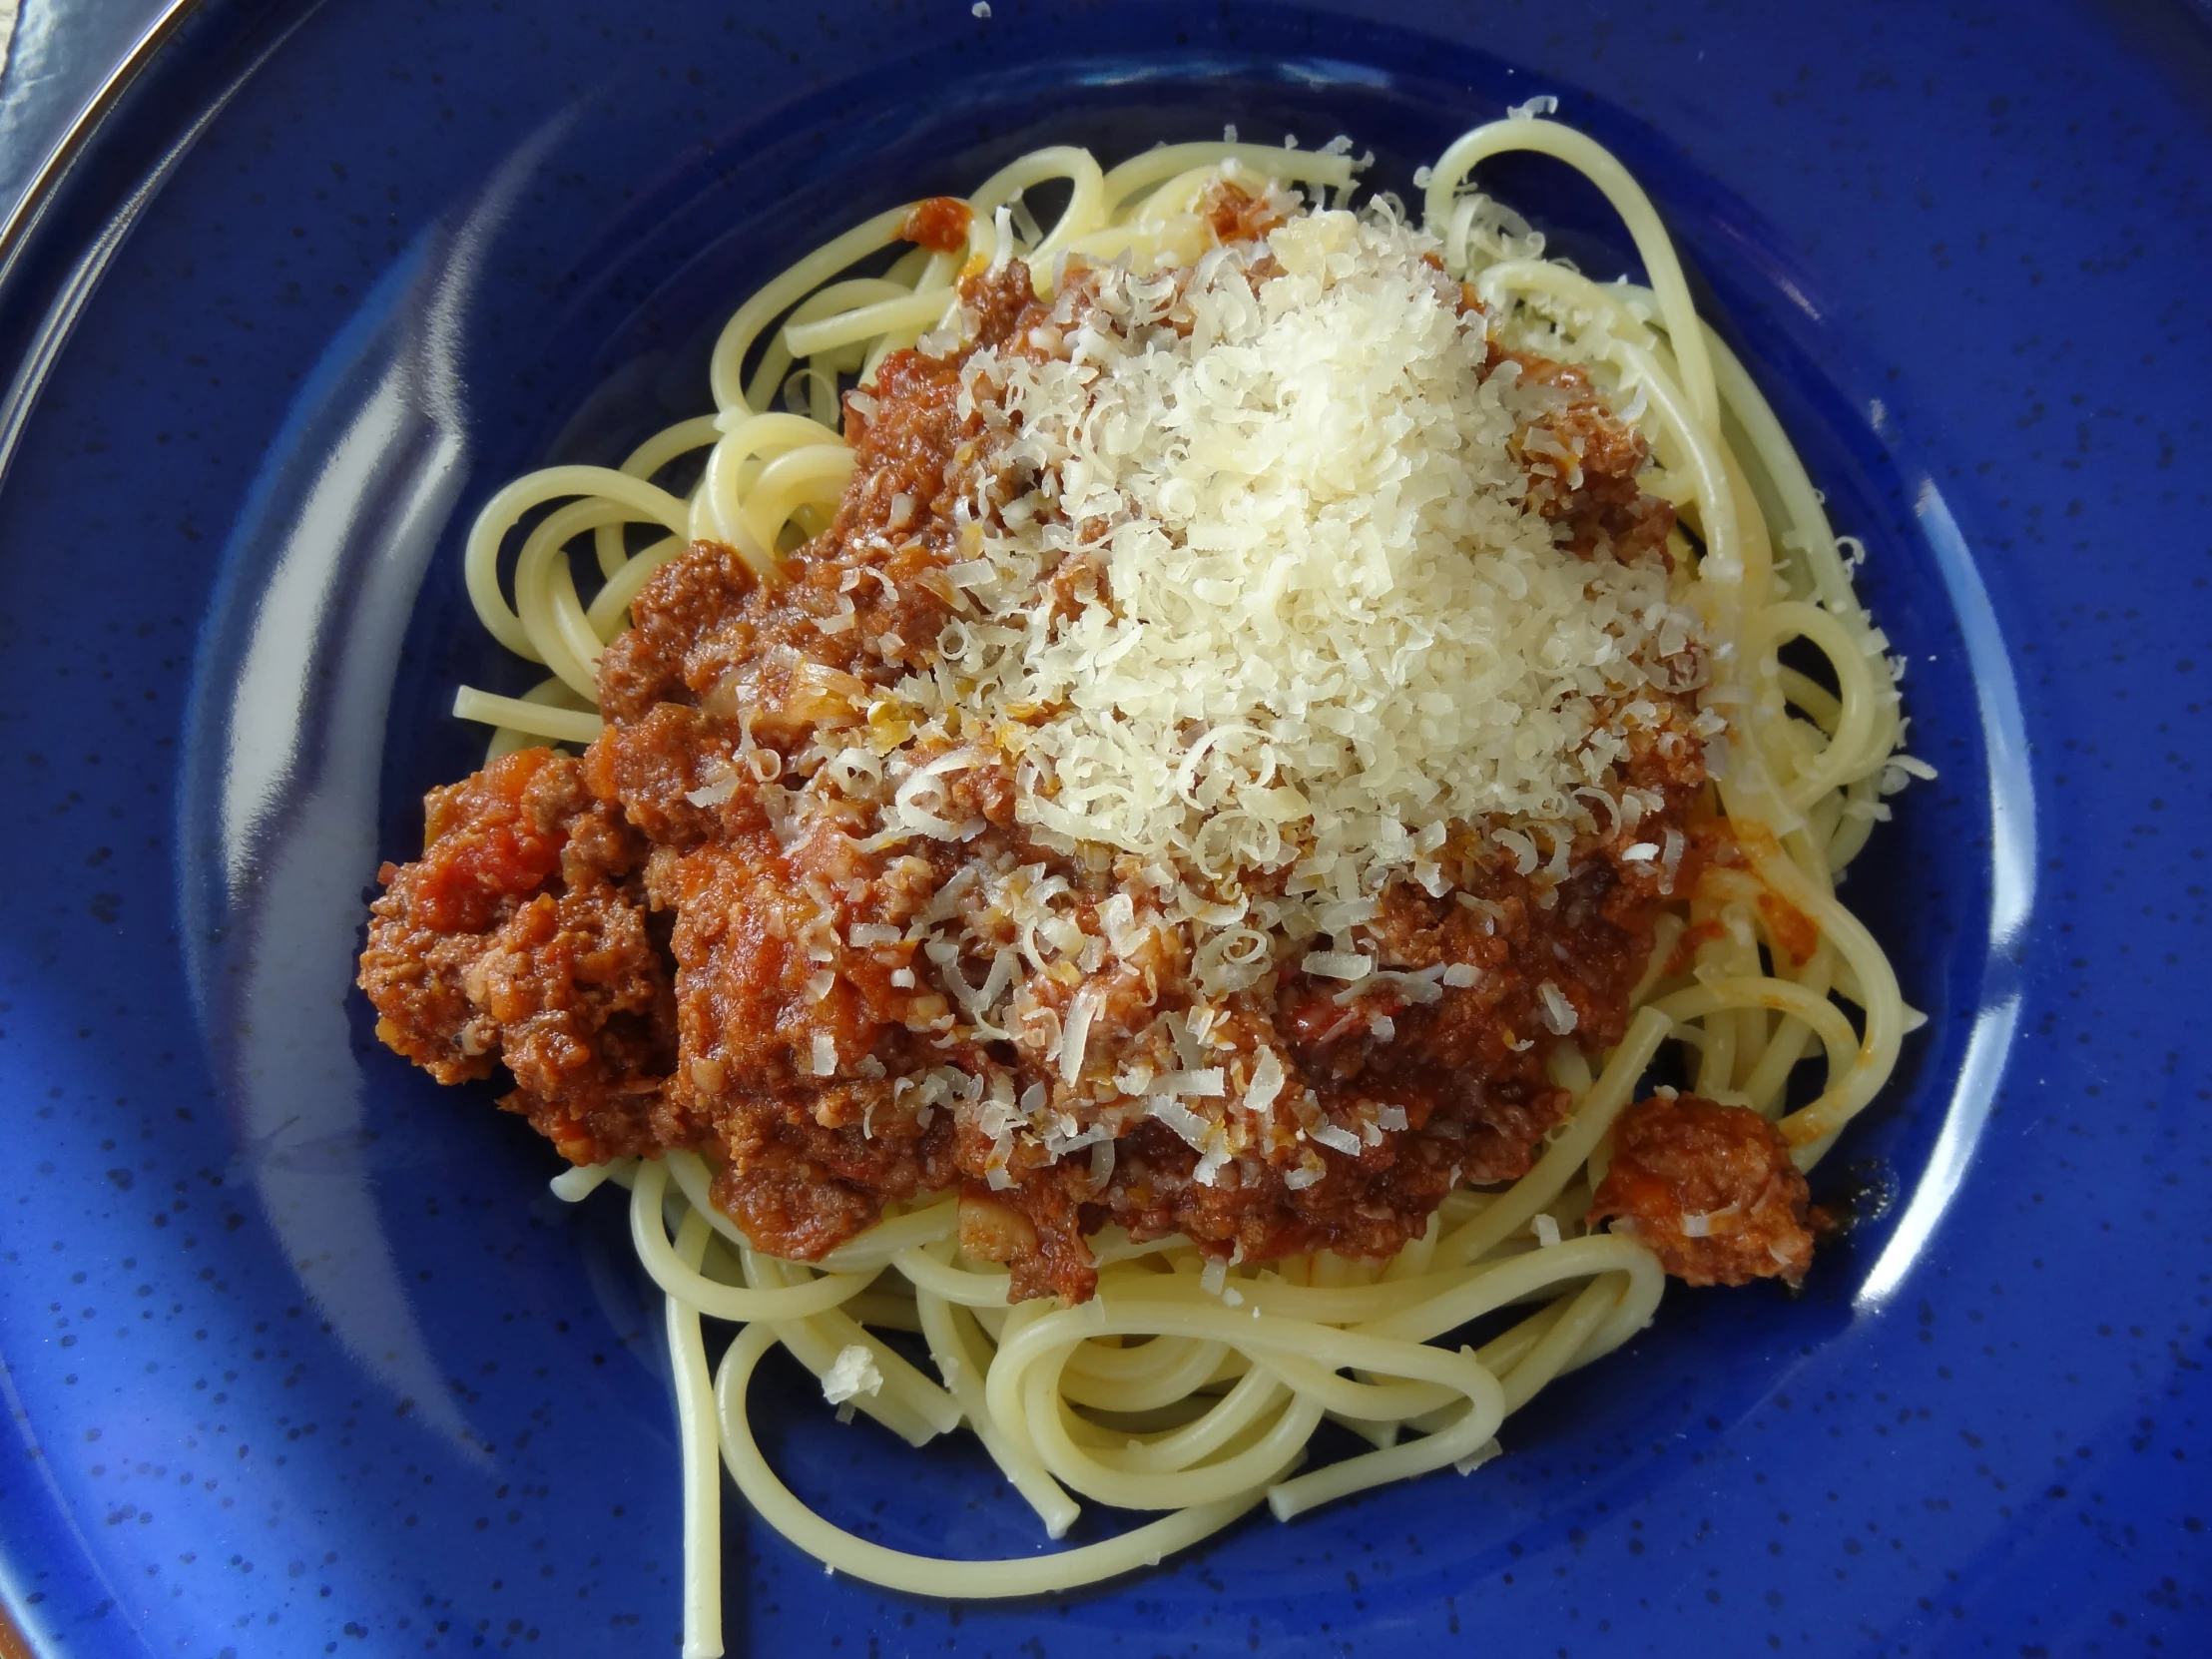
(1472, 1063)
(790, 1204)
(520, 937)
(1369, 1206)
(1688, 1163)
(691, 596)
(794, 1040)
(1584, 464)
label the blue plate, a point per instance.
(300, 1360)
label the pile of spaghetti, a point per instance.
(1150, 827)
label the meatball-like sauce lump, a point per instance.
(687, 938)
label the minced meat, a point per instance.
(1709, 1188)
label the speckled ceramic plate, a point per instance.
(299, 1358)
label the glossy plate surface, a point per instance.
(299, 1355)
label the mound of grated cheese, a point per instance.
(1254, 588)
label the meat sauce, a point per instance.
(1711, 1189)
(662, 955)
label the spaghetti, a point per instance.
(1169, 1374)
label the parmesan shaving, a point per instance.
(852, 1374)
(1337, 965)
(1560, 1015)
(1185, 1122)
(716, 793)
(1478, 1456)
(1267, 1083)
(1205, 1084)
(1075, 1038)
(1337, 1137)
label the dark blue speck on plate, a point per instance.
(300, 1360)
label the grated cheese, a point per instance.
(1323, 627)
(1337, 965)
